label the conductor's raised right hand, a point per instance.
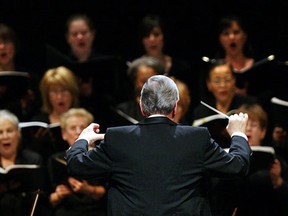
(237, 123)
(91, 133)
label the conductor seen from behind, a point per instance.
(158, 167)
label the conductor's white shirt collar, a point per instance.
(156, 115)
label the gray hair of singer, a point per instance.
(159, 95)
(7, 115)
(147, 61)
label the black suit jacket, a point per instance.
(157, 167)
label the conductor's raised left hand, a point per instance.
(91, 133)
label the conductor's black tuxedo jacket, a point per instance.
(157, 167)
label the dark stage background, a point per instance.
(191, 25)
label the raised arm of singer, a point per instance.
(158, 167)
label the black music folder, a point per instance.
(218, 132)
(17, 83)
(22, 177)
(97, 66)
(257, 79)
(279, 81)
(280, 112)
(34, 131)
(216, 124)
(57, 168)
(58, 173)
(261, 159)
(205, 120)
(107, 71)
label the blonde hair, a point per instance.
(59, 76)
(255, 112)
(75, 112)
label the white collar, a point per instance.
(156, 115)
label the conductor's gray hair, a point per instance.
(159, 95)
